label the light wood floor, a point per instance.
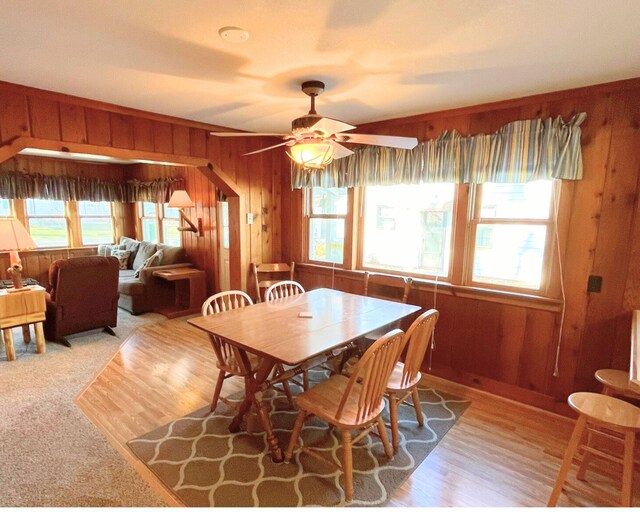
(500, 453)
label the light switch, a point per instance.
(249, 218)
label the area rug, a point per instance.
(204, 465)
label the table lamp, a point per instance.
(180, 199)
(13, 238)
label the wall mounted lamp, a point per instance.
(180, 199)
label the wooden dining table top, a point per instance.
(275, 329)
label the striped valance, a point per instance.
(519, 152)
(19, 185)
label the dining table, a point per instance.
(301, 331)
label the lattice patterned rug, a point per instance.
(204, 465)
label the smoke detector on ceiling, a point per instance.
(233, 34)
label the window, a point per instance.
(47, 222)
(511, 226)
(159, 223)
(170, 224)
(149, 221)
(408, 228)
(96, 222)
(327, 211)
(5, 208)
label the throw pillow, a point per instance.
(132, 246)
(122, 256)
(171, 255)
(152, 261)
(145, 250)
(105, 249)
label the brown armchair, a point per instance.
(82, 295)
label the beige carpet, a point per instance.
(204, 465)
(50, 454)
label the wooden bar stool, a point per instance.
(616, 383)
(602, 411)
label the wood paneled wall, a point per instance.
(61, 118)
(510, 349)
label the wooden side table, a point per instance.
(191, 290)
(22, 308)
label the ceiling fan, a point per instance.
(315, 141)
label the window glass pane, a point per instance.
(170, 232)
(96, 230)
(329, 201)
(171, 213)
(49, 232)
(224, 213)
(326, 240)
(5, 210)
(509, 255)
(516, 200)
(408, 228)
(98, 208)
(150, 230)
(148, 209)
(45, 207)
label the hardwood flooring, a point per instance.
(500, 453)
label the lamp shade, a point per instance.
(180, 199)
(14, 236)
(314, 154)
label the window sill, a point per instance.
(466, 292)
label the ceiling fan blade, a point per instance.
(330, 126)
(241, 134)
(266, 149)
(390, 141)
(340, 151)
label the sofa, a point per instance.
(140, 292)
(82, 295)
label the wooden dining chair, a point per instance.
(384, 286)
(267, 270)
(351, 403)
(283, 289)
(406, 375)
(229, 358)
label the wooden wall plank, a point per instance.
(44, 117)
(14, 115)
(181, 143)
(98, 127)
(121, 131)
(72, 123)
(162, 137)
(143, 134)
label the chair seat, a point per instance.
(395, 381)
(617, 380)
(324, 399)
(614, 412)
(266, 284)
(233, 366)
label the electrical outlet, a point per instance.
(594, 284)
(249, 218)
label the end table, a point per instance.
(191, 290)
(22, 308)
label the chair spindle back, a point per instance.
(417, 340)
(283, 289)
(229, 357)
(373, 371)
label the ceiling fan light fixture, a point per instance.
(312, 154)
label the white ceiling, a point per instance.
(379, 58)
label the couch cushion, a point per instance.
(130, 245)
(127, 274)
(171, 254)
(105, 249)
(145, 251)
(131, 286)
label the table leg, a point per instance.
(252, 387)
(8, 344)
(41, 347)
(26, 334)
